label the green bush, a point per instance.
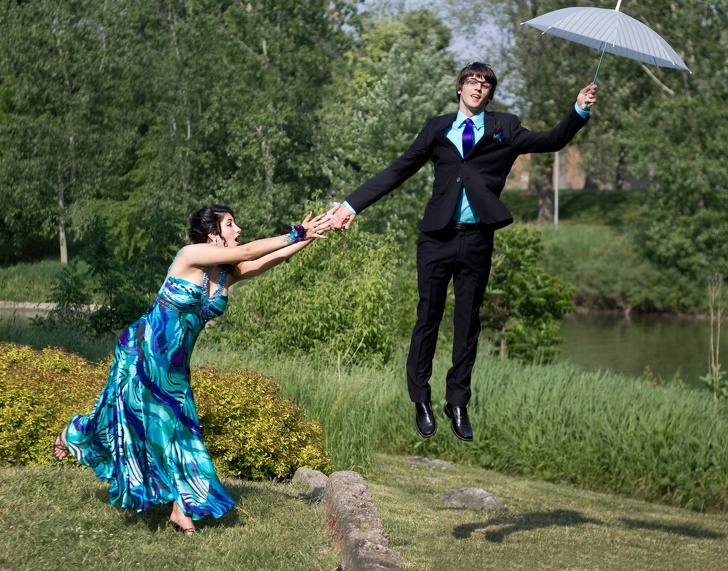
(608, 271)
(250, 430)
(524, 305)
(333, 298)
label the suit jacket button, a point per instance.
(458, 180)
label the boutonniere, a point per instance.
(498, 132)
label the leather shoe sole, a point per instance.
(460, 422)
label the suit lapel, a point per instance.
(488, 128)
(445, 124)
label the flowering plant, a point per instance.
(498, 132)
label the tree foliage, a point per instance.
(524, 305)
(677, 142)
(398, 76)
(140, 111)
(333, 300)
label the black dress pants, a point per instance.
(465, 257)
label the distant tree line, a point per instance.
(134, 113)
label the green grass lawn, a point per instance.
(547, 526)
(59, 518)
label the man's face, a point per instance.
(474, 95)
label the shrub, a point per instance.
(250, 430)
(331, 299)
(39, 392)
(524, 305)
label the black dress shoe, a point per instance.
(425, 419)
(460, 422)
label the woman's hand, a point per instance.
(315, 227)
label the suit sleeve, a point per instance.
(526, 141)
(413, 159)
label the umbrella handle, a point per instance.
(596, 73)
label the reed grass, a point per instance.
(21, 330)
(344, 401)
(596, 430)
(30, 282)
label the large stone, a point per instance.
(473, 499)
(314, 480)
(355, 523)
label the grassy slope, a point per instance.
(611, 208)
(59, 518)
(547, 526)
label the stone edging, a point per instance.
(352, 519)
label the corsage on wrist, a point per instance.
(296, 233)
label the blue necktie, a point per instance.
(468, 137)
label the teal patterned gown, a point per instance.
(143, 436)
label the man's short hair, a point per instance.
(476, 69)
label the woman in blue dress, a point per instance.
(143, 436)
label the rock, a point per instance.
(474, 499)
(355, 523)
(430, 462)
(315, 481)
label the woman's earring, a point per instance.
(214, 242)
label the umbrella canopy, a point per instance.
(609, 31)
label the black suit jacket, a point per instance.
(483, 172)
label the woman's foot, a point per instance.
(180, 521)
(60, 449)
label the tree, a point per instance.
(685, 220)
(140, 111)
(57, 145)
(677, 143)
(523, 304)
(399, 75)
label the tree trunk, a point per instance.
(62, 242)
(62, 226)
(540, 182)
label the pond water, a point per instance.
(670, 346)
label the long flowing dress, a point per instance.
(143, 436)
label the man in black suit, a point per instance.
(473, 152)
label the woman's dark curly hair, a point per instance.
(206, 221)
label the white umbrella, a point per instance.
(609, 31)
